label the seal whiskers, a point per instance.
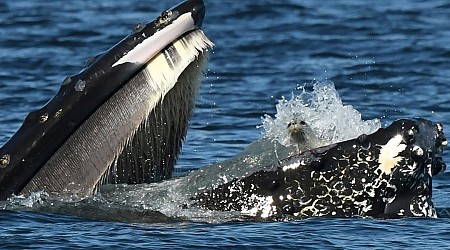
(302, 135)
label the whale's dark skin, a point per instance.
(344, 179)
(45, 130)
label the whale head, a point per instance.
(121, 119)
(384, 174)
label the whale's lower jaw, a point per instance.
(385, 174)
(136, 135)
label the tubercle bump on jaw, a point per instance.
(137, 28)
(4, 161)
(164, 18)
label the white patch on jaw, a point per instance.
(146, 50)
(389, 154)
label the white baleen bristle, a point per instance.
(165, 68)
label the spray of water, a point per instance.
(323, 110)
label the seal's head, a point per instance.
(297, 131)
(301, 134)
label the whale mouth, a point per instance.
(121, 119)
(384, 174)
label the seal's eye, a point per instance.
(303, 123)
(289, 124)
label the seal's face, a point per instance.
(387, 173)
(297, 131)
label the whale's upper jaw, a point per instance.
(147, 40)
(384, 174)
(44, 131)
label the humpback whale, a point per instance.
(120, 120)
(384, 174)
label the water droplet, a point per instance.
(80, 85)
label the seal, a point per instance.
(384, 174)
(302, 135)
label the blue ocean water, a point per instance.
(388, 59)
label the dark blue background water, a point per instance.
(389, 59)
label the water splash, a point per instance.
(24, 202)
(323, 110)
